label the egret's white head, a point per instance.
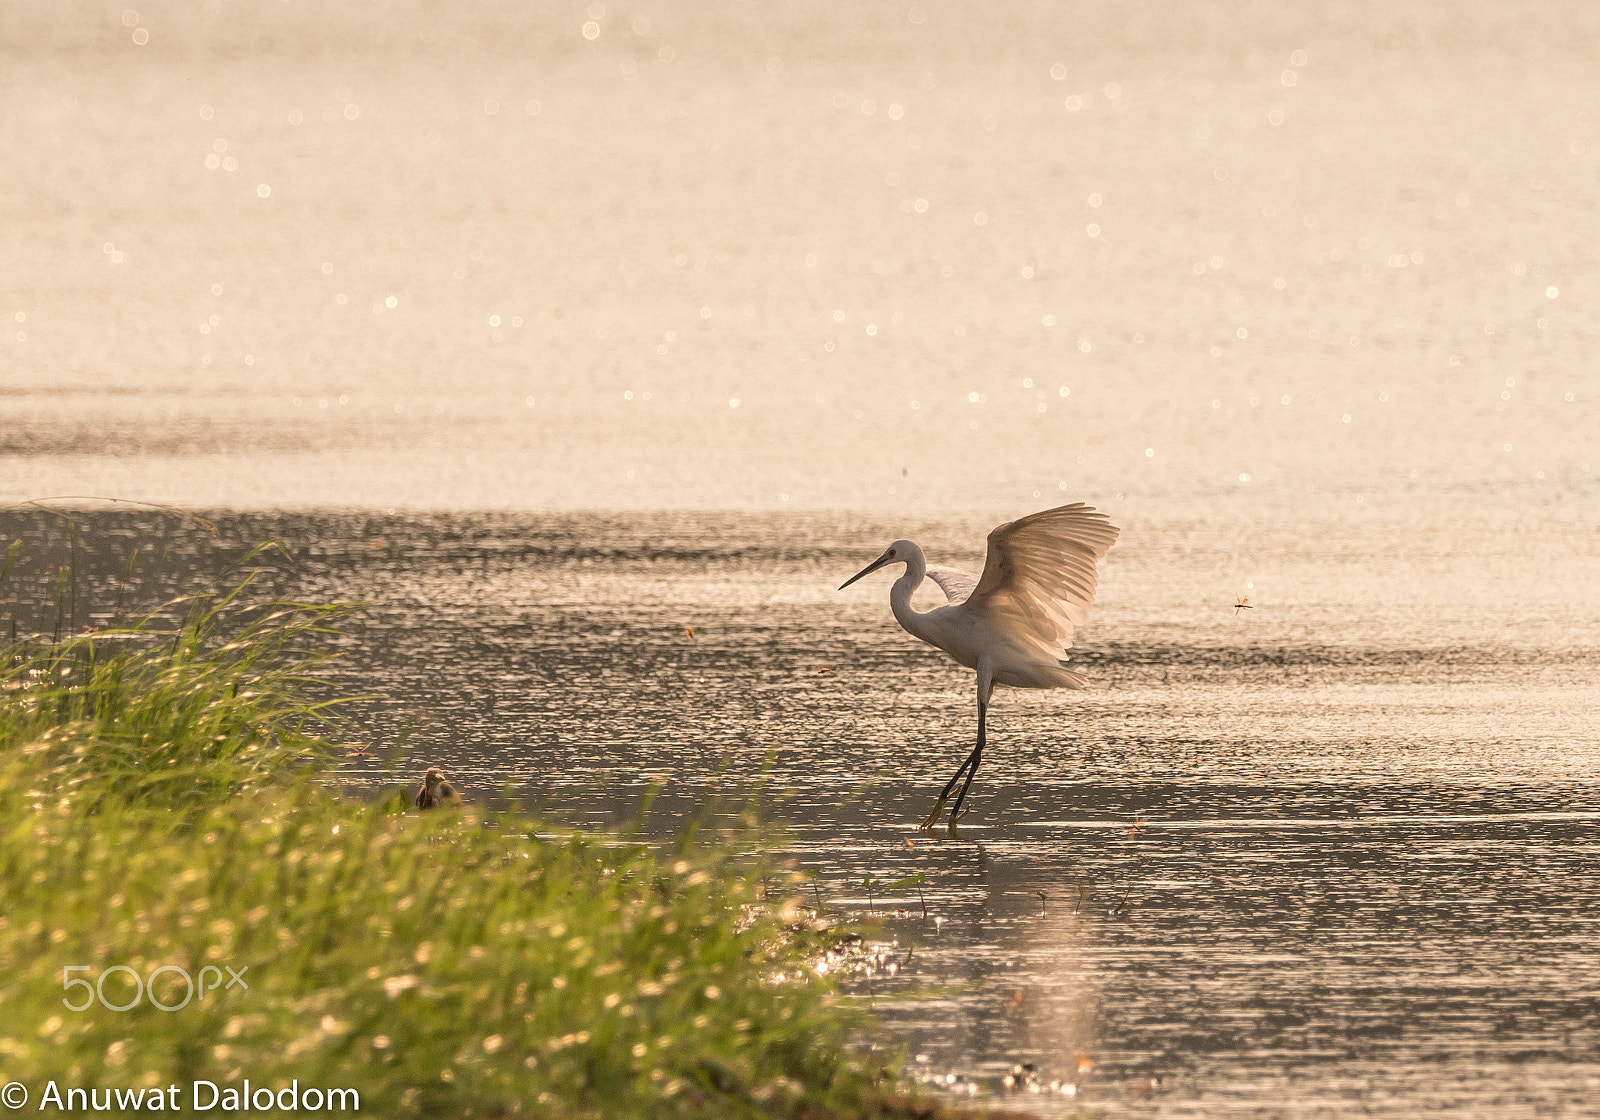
(899, 552)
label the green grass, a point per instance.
(174, 715)
(439, 966)
(159, 806)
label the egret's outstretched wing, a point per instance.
(956, 584)
(1039, 578)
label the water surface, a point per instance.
(816, 255)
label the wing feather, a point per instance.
(956, 584)
(1040, 574)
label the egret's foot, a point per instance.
(933, 817)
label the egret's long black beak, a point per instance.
(867, 571)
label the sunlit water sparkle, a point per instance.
(452, 243)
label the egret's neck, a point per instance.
(900, 594)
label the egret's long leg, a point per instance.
(955, 810)
(944, 794)
(976, 760)
(969, 768)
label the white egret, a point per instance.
(1013, 624)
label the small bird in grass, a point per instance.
(1014, 623)
(435, 790)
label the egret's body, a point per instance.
(1014, 624)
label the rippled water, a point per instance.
(815, 255)
(1366, 873)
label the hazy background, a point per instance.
(530, 255)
